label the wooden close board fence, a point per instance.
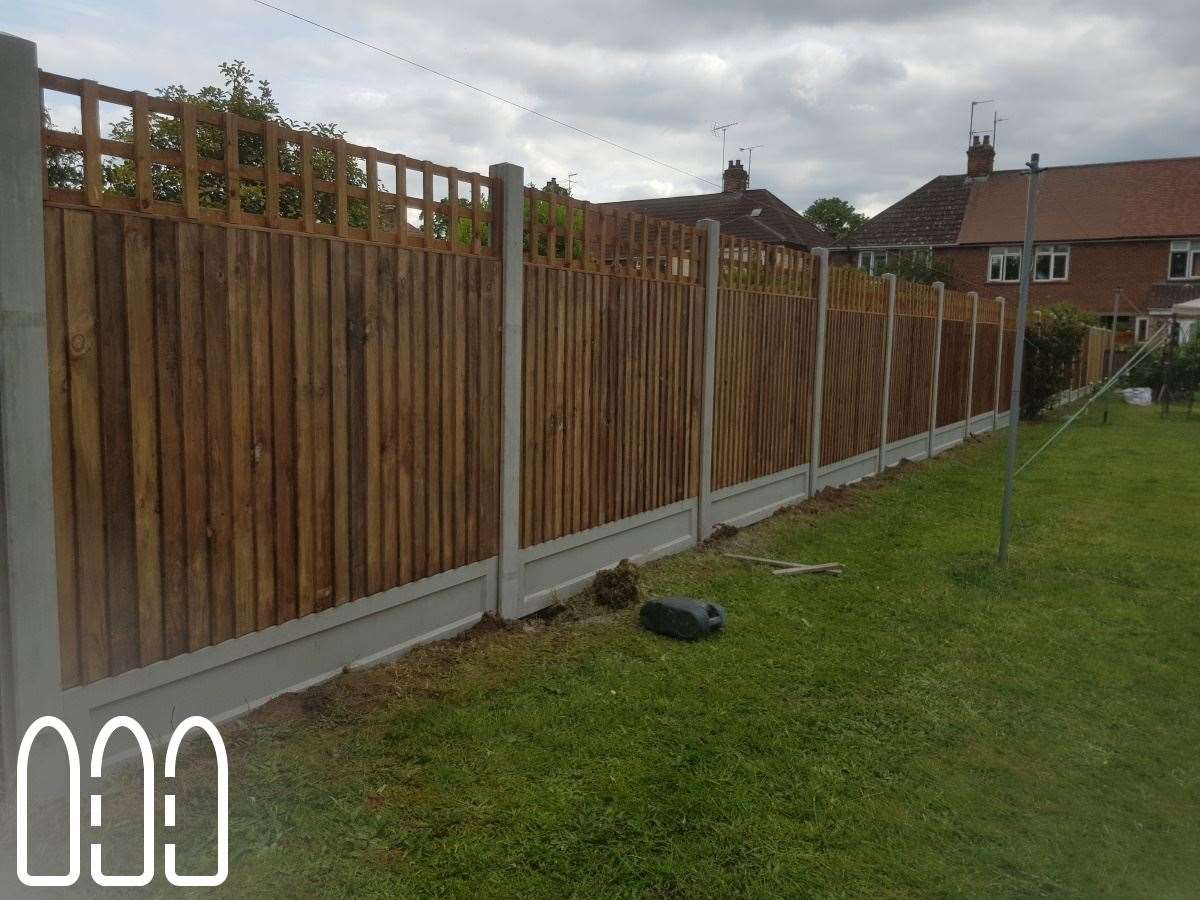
(251, 426)
(856, 332)
(611, 393)
(955, 358)
(276, 384)
(766, 332)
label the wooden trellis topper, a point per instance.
(574, 234)
(188, 161)
(755, 266)
(855, 290)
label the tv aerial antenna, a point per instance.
(723, 129)
(971, 127)
(749, 151)
(572, 177)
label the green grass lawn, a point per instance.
(924, 725)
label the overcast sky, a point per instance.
(864, 100)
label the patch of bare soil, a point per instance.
(617, 587)
(722, 533)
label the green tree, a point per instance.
(835, 215)
(921, 268)
(1052, 343)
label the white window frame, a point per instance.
(878, 256)
(1052, 251)
(1191, 265)
(1003, 253)
(1141, 329)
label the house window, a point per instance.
(1142, 329)
(1051, 262)
(1004, 264)
(872, 261)
(1185, 259)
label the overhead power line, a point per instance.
(484, 91)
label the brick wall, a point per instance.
(1095, 269)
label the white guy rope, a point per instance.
(1142, 352)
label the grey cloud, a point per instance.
(861, 99)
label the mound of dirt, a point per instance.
(617, 587)
(722, 531)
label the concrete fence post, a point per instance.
(885, 404)
(510, 585)
(999, 366)
(712, 274)
(940, 290)
(30, 673)
(971, 363)
(814, 451)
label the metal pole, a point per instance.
(1112, 348)
(818, 398)
(940, 290)
(712, 250)
(999, 366)
(1014, 405)
(971, 363)
(890, 280)
(510, 588)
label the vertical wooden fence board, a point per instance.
(143, 413)
(404, 419)
(357, 445)
(58, 350)
(115, 427)
(241, 435)
(420, 451)
(170, 439)
(302, 377)
(263, 431)
(84, 371)
(322, 424)
(284, 410)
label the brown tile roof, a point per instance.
(777, 223)
(929, 216)
(1168, 293)
(1139, 199)
(1099, 201)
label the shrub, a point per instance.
(1181, 371)
(1051, 345)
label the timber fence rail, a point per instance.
(311, 403)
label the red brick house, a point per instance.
(745, 213)
(1130, 225)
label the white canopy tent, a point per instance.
(1186, 313)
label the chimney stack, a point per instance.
(735, 180)
(980, 157)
